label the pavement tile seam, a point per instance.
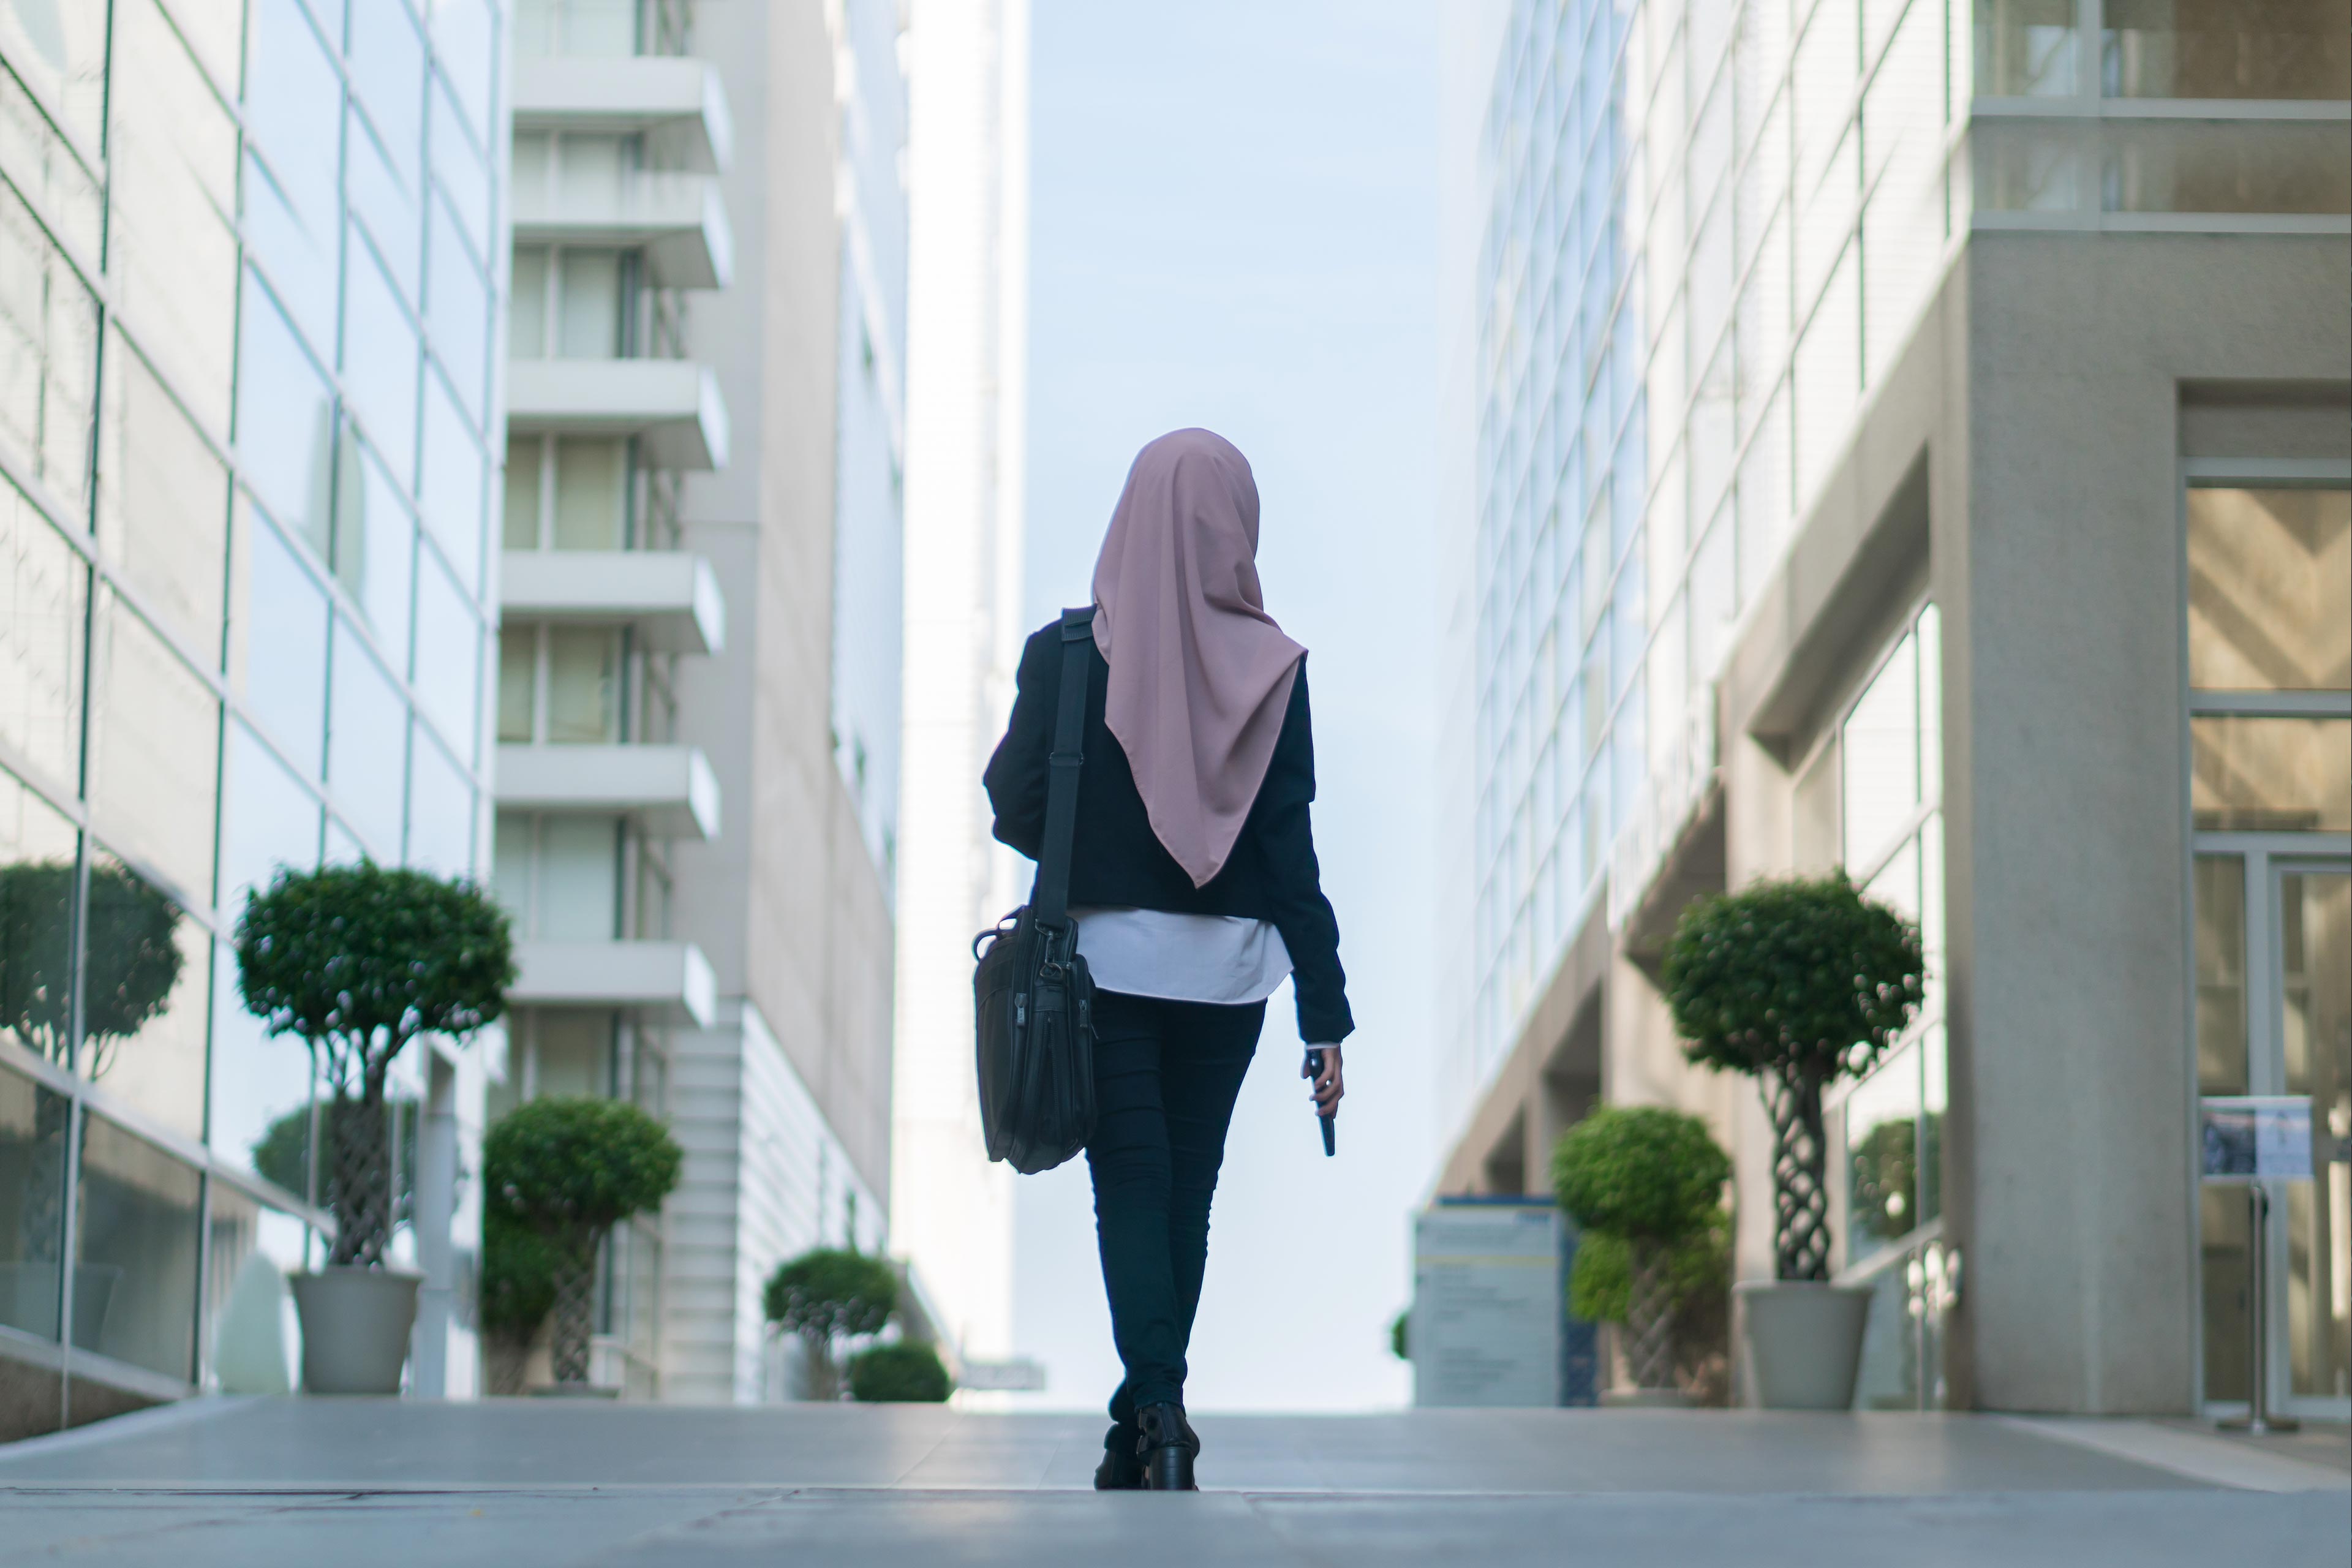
(2205, 1456)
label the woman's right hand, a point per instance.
(1330, 1086)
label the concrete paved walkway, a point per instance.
(356, 1483)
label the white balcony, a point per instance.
(676, 220)
(650, 95)
(669, 790)
(671, 406)
(669, 982)
(669, 598)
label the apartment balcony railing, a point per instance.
(607, 28)
(672, 406)
(675, 221)
(675, 101)
(669, 790)
(661, 981)
(670, 598)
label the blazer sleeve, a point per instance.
(1016, 777)
(1301, 913)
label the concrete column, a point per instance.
(436, 1206)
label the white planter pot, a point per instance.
(1803, 1340)
(355, 1327)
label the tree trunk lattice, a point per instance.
(504, 1360)
(41, 1221)
(575, 1318)
(358, 1180)
(1650, 1317)
(822, 1373)
(1801, 1198)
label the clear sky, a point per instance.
(1232, 226)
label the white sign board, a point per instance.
(2252, 1138)
(1017, 1374)
(1486, 1318)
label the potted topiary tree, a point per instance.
(1698, 1289)
(1650, 1179)
(568, 1171)
(827, 1294)
(356, 962)
(1796, 983)
(518, 1268)
(902, 1372)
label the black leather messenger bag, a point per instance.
(1033, 998)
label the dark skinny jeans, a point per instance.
(1166, 1076)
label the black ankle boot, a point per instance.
(1121, 1470)
(1165, 1449)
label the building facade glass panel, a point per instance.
(171, 247)
(230, 200)
(40, 886)
(45, 594)
(154, 747)
(380, 354)
(387, 66)
(457, 306)
(293, 186)
(440, 808)
(390, 215)
(367, 745)
(285, 420)
(32, 1204)
(162, 499)
(49, 356)
(375, 553)
(137, 1229)
(449, 678)
(278, 647)
(451, 494)
(146, 981)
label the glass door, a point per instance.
(2275, 1018)
(2311, 1240)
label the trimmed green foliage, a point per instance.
(356, 960)
(1400, 1336)
(831, 1291)
(1794, 982)
(1639, 1173)
(569, 1168)
(1601, 1282)
(519, 1270)
(131, 959)
(1884, 1181)
(359, 960)
(900, 1373)
(1799, 979)
(566, 1171)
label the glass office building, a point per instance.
(1749, 515)
(250, 265)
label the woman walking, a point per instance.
(1194, 884)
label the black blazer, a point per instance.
(1118, 861)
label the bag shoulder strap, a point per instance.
(1051, 903)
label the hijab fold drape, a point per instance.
(1199, 674)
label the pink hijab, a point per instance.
(1199, 674)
